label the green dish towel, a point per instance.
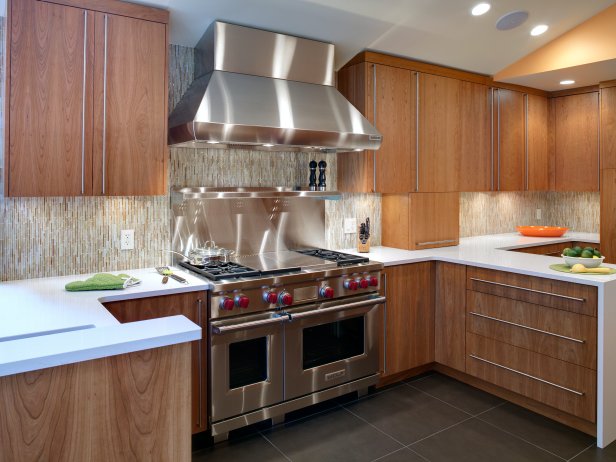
(103, 281)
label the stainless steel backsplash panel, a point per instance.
(248, 226)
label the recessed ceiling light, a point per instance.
(480, 8)
(538, 30)
(567, 82)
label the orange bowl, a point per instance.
(542, 231)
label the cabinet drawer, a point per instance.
(562, 385)
(562, 295)
(567, 336)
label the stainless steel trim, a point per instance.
(445, 241)
(105, 105)
(374, 124)
(333, 309)
(416, 131)
(221, 330)
(492, 139)
(498, 137)
(526, 141)
(83, 103)
(253, 193)
(579, 393)
(225, 426)
(200, 360)
(385, 324)
(529, 290)
(526, 327)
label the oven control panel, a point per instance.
(280, 296)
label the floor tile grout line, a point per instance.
(439, 399)
(389, 454)
(491, 409)
(275, 447)
(415, 452)
(437, 432)
(582, 451)
(373, 426)
(522, 439)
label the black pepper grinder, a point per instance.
(322, 165)
(313, 175)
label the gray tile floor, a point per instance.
(432, 418)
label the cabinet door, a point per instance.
(130, 106)
(537, 165)
(576, 142)
(475, 172)
(193, 306)
(440, 133)
(450, 315)
(49, 92)
(608, 127)
(409, 327)
(510, 140)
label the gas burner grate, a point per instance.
(222, 270)
(331, 255)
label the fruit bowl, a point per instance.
(587, 262)
(542, 231)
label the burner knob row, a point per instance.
(240, 301)
(361, 283)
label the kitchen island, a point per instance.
(86, 387)
(494, 253)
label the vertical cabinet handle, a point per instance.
(385, 324)
(416, 131)
(200, 361)
(105, 105)
(374, 98)
(526, 141)
(83, 103)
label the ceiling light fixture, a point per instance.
(567, 82)
(268, 145)
(480, 8)
(212, 142)
(538, 30)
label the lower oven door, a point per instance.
(246, 364)
(329, 344)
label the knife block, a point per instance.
(363, 245)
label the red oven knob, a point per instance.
(227, 304)
(326, 292)
(363, 283)
(285, 299)
(351, 284)
(374, 281)
(270, 297)
(242, 301)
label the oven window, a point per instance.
(247, 362)
(332, 342)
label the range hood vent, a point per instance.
(267, 91)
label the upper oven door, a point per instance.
(246, 364)
(330, 344)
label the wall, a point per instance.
(492, 213)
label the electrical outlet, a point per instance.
(127, 239)
(350, 225)
(538, 214)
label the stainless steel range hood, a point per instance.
(268, 91)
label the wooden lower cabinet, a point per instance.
(193, 305)
(408, 335)
(450, 315)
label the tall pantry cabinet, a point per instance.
(87, 98)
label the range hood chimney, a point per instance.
(268, 91)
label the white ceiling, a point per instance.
(438, 31)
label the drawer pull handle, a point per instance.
(529, 290)
(446, 241)
(579, 393)
(527, 327)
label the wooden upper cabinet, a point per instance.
(391, 169)
(510, 140)
(440, 133)
(49, 86)
(537, 164)
(576, 142)
(56, 80)
(130, 106)
(608, 126)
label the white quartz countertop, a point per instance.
(493, 251)
(43, 325)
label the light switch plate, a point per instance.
(127, 239)
(350, 225)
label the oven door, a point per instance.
(246, 364)
(329, 344)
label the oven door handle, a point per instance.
(333, 309)
(219, 330)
